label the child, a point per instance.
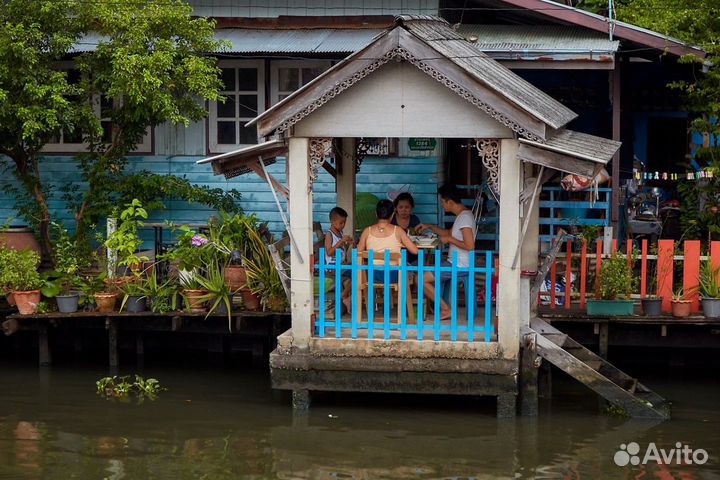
(334, 240)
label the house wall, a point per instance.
(274, 8)
(378, 175)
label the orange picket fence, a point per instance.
(658, 272)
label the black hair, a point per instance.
(384, 209)
(337, 212)
(404, 196)
(450, 192)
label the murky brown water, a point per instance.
(217, 423)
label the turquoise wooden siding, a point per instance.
(378, 176)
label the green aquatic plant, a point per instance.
(121, 388)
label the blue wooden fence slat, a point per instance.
(355, 278)
(386, 296)
(488, 295)
(321, 294)
(338, 291)
(470, 295)
(421, 293)
(453, 296)
(402, 284)
(371, 294)
(438, 295)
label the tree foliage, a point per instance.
(150, 67)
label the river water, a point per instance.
(227, 423)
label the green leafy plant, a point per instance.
(217, 289)
(708, 285)
(263, 277)
(191, 251)
(678, 294)
(121, 388)
(19, 270)
(125, 241)
(229, 235)
(616, 278)
(68, 260)
(162, 297)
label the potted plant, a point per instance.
(229, 236)
(615, 283)
(125, 241)
(20, 276)
(218, 296)
(191, 252)
(162, 297)
(680, 305)
(652, 302)
(66, 275)
(135, 295)
(263, 276)
(709, 289)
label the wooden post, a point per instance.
(300, 203)
(583, 275)
(603, 340)
(529, 377)
(508, 302)
(113, 357)
(531, 243)
(615, 162)
(345, 182)
(691, 272)
(45, 356)
(665, 264)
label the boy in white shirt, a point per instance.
(461, 239)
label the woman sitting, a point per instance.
(404, 204)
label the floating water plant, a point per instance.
(121, 388)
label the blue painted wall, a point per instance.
(377, 175)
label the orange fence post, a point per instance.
(666, 250)
(691, 272)
(613, 246)
(628, 252)
(568, 274)
(583, 274)
(643, 267)
(715, 255)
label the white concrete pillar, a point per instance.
(345, 182)
(508, 296)
(300, 205)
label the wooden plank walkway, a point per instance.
(262, 328)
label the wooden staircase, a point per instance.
(605, 379)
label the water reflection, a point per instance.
(229, 424)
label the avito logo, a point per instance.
(680, 455)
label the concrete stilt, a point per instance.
(301, 400)
(506, 405)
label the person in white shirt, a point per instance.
(461, 239)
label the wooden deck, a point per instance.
(258, 328)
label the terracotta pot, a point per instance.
(276, 304)
(19, 238)
(250, 300)
(235, 277)
(10, 299)
(195, 304)
(27, 301)
(680, 308)
(105, 302)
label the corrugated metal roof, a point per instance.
(579, 145)
(438, 35)
(296, 41)
(538, 39)
(243, 40)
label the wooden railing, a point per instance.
(657, 272)
(473, 323)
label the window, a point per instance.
(72, 142)
(243, 89)
(288, 76)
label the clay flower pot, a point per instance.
(105, 302)
(680, 308)
(27, 301)
(250, 300)
(235, 277)
(276, 304)
(194, 300)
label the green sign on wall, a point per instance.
(422, 143)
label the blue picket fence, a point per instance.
(473, 324)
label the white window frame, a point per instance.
(213, 146)
(276, 65)
(145, 146)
